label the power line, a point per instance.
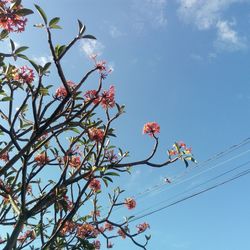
(241, 174)
(204, 163)
(190, 189)
(161, 187)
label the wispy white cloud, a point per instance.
(196, 57)
(204, 13)
(149, 12)
(115, 32)
(42, 60)
(91, 47)
(210, 14)
(228, 38)
(212, 55)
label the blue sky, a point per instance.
(184, 64)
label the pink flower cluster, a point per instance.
(95, 185)
(95, 213)
(130, 203)
(9, 20)
(87, 231)
(4, 156)
(179, 146)
(108, 226)
(74, 161)
(61, 92)
(24, 75)
(121, 233)
(96, 134)
(92, 95)
(97, 244)
(70, 204)
(142, 227)
(101, 66)
(106, 99)
(111, 156)
(41, 159)
(110, 245)
(69, 227)
(151, 128)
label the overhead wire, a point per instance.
(163, 186)
(202, 164)
(241, 174)
(195, 187)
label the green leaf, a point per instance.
(23, 56)
(54, 21)
(43, 91)
(42, 13)
(46, 66)
(105, 182)
(82, 28)
(21, 49)
(75, 130)
(36, 67)
(88, 37)
(107, 178)
(54, 26)
(112, 174)
(4, 34)
(186, 162)
(2, 92)
(12, 45)
(59, 49)
(6, 99)
(16, 3)
(24, 12)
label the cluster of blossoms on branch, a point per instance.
(12, 16)
(106, 98)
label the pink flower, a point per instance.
(92, 95)
(111, 156)
(121, 233)
(41, 159)
(151, 128)
(85, 230)
(61, 92)
(95, 185)
(110, 245)
(108, 226)
(96, 134)
(108, 98)
(70, 204)
(142, 227)
(74, 161)
(95, 213)
(182, 144)
(4, 156)
(9, 19)
(172, 152)
(188, 150)
(97, 244)
(101, 65)
(130, 203)
(69, 227)
(24, 75)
